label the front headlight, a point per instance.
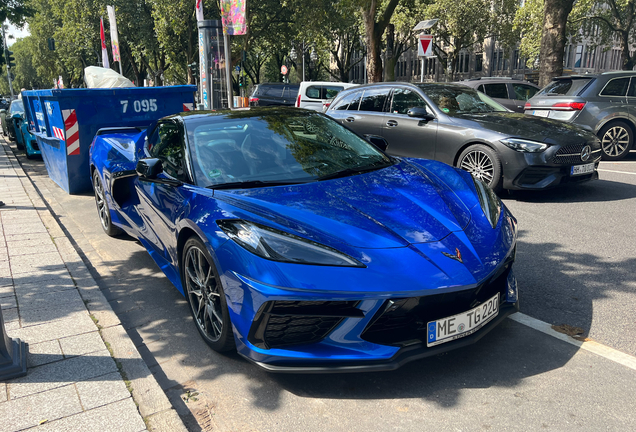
(277, 245)
(525, 146)
(489, 201)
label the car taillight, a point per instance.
(253, 99)
(298, 102)
(568, 106)
(527, 105)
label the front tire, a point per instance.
(483, 163)
(616, 140)
(205, 295)
(102, 208)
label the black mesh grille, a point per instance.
(534, 175)
(34, 145)
(281, 323)
(403, 321)
(571, 155)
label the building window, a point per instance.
(578, 56)
(479, 62)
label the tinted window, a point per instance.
(313, 92)
(458, 100)
(343, 103)
(373, 100)
(16, 107)
(166, 144)
(616, 87)
(323, 92)
(404, 99)
(291, 92)
(632, 88)
(481, 88)
(274, 91)
(565, 87)
(353, 105)
(498, 90)
(523, 91)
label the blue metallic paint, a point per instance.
(399, 218)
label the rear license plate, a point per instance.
(463, 324)
(582, 169)
(540, 113)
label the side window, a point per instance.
(329, 92)
(632, 88)
(404, 99)
(353, 106)
(166, 143)
(496, 90)
(373, 100)
(616, 87)
(523, 91)
(343, 103)
(481, 88)
(313, 92)
(274, 92)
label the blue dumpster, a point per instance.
(66, 121)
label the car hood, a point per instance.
(392, 207)
(517, 125)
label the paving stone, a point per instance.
(31, 250)
(55, 329)
(28, 236)
(102, 390)
(3, 392)
(7, 302)
(50, 286)
(43, 353)
(120, 416)
(20, 228)
(5, 269)
(61, 373)
(6, 285)
(36, 317)
(10, 315)
(28, 243)
(146, 390)
(33, 263)
(42, 300)
(31, 410)
(81, 344)
(166, 421)
(44, 279)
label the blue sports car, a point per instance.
(303, 246)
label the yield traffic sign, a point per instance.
(425, 46)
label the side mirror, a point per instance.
(16, 116)
(420, 112)
(3, 111)
(377, 141)
(149, 168)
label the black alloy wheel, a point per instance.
(102, 208)
(206, 297)
(483, 163)
(616, 140)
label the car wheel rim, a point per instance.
(615, 141)
(479, 165)
(102, 209)
(205, 299)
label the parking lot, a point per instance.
(576, 269)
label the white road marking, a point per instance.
(619, 172)
(591, 346)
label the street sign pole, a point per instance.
(13, 353)
(4, 41)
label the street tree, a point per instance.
(553, 39)
(15, 11)
(400, 36)
(376, 16)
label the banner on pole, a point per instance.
(425, 46)
(198, 8)
(233, 17)
(114, 37)
(105, 62)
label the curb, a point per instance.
(152, 402)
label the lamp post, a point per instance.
(12, 355)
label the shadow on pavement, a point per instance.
(593, 191)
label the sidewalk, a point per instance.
(84, 372)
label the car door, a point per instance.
(407, 136)
(368, 119)
(163, 200)
(499, 92)
(345, 109)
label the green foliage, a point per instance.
(15, 11)
(528, 22)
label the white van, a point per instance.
(312, 94)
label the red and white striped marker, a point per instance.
(72, 132)
(59, 133)
(188, 107)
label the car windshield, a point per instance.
(16, 107)
(247, 149)
(456, 100)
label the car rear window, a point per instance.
(565, 87)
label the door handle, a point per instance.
(391, 123)
(349, 119)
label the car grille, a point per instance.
(402, 322)
(283, 323)
(571, 155)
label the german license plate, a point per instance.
(541, 113)
(582, 169)
(463, 324)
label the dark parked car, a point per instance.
(467, 129)
(274, 94)
(512, 94)
(603, 103)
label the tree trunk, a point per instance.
(391, 57)
(373, 35)
(553, 39)
(627, 59)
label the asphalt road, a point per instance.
(575, 265)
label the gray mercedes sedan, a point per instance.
(465, 128)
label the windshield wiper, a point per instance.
(352, 171)
(253, 184)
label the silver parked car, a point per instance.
(509, 92)
(604, 104)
